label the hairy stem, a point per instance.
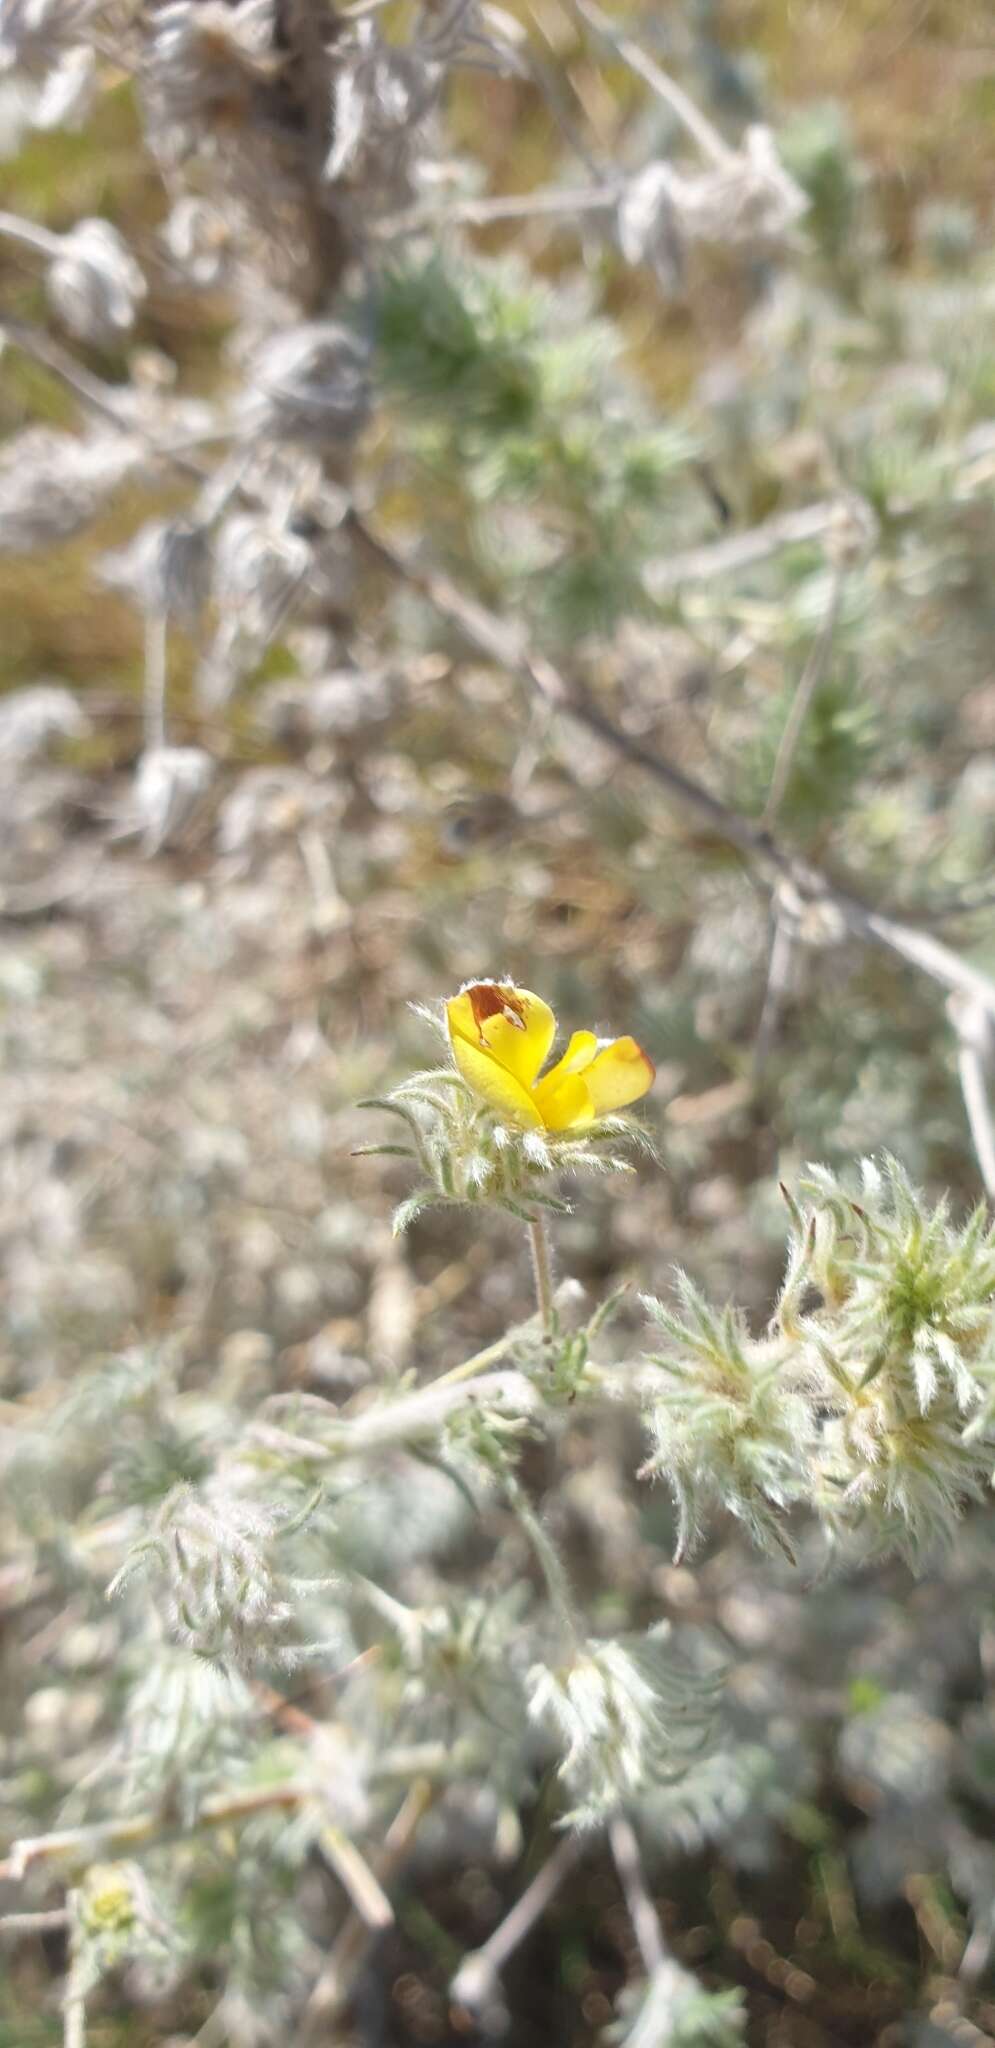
(30, 235)
(642, 1912)
(489, 1356)
(542, 1268)
(35, 1923)
(74, 1995)
(73, 2017)
(558, 1585)
(352, 1944)
(475, 1982)
(555, 203)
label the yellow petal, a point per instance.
(620, 1074)
(566, 1105)
(558, 1109)
(514, 1025)
(578, 1056)
(489, 1079)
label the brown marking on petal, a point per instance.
(490, 999)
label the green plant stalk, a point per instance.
(557, 1583)
(542, 1268)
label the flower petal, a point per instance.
(560, 1109)
(517, 1027)
(620, 1074)
(566, 1105)
(489, 1079)
(578, 1056)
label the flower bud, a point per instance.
(117, 1925)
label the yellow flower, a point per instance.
(501, 1037)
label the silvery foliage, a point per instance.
(729, 1423)
(94, 285)
(670, 2010)
(169, 785)
(52, 483)
(165, 569)
(184, 1702)
(38, 42)
(871, 1395)
(761, 1427)
(197, 237)
(259, 569)
(39, 33)
(33, 31)
(347, 700)
(308, 383)
(214, 1557)
(31, 720)
(380, 95)
(268, 805)
(628, 1715)
(749, 200)
(204, 58)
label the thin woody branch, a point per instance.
(509, 649)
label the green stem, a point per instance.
(558, 1585)
(501, 1347)
(481, 1966)
(488, 1356)
(542, 1267)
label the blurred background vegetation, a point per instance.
(192, 1001)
